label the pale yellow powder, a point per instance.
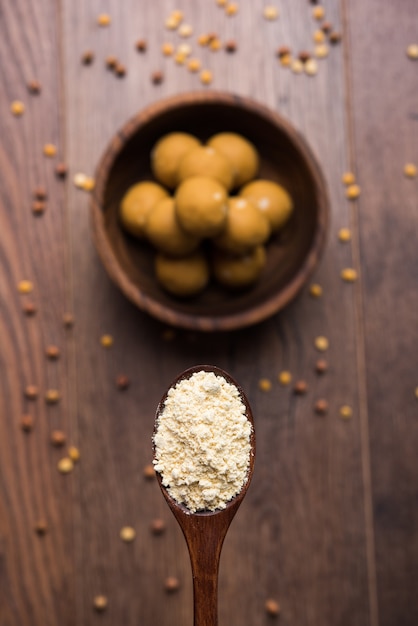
(202, 442)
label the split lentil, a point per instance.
(215, 45)
(29, 308)
(206, 77)
(318, 13)
(157, 526)
(319, 36)
(231, 9)
(193, 65)
(149, 471)
(167, 49)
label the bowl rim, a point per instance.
(207, 323)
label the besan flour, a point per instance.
(202, 442)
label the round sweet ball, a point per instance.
(240, 152)
(245, 227)
(201, 206)
(183, 277)
(165, 233)
(272, 200)
(166, 156)
(137, 203)
(238, 272)
(206, 161)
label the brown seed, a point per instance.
(304, 56)
(326, 27)
(58, 438)
(61, 170)
(34, 87)
(52, 396)
(111, 62)
(272, 607)
(122, 382)
(141, 45)
(157, 526)
(31, 392)
(149, 471)
(171, 584)
(26, 423)
(100, 603)
(283, 51)
(40, 527)
(321, 407)
(68, 320)
(29, 308)
(38, 207)
(335, 37)
(157, 77)
(300, 388)
(321, 366)
(230, 45)
(40, 193)
(87, 57)
(120, 70)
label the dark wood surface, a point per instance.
(328, 527)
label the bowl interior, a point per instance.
(284, 159)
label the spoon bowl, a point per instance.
(205, 531)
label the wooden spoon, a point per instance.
(205, 531)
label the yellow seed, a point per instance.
(193, 65)
(17, 108)
(352, 192)
(203, 39)
(349, 275)
(319, 36)
(315, 290)
(318, 13)
(185, 30)
(344, 234)
(65, 465)
(100, 603)
(321, 343)
(412, 51)
(206, 77)
(231, 9)
(52, 396)
(285, 377)
(103, 19)
(24, 286)
(270, 12)
(348, 178)
(185, 49)
(264, 384)
(215, 44)
(311, 67)
(50, 150)
(127, 533)
(74, 453)
(297, 66)
(180, 58)
(285, 60)
(106, 341)
(167, 49)
(321, 51)
(346, 411)
(410, 170)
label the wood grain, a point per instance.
(327, 527)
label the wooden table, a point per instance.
(329, 527)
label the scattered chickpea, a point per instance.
(352, 192)
(206, 77)
(272, 607)
(349, 275)
(17, 108)
(318, 13)
(127, 534)
(25, 286)
(180, 58)
(52, 396)
(297, 66)
(171, 584)
(321, 344)
(315, 290)
(344, 234)
(185, 30)
(410, 170)
(185, 48)
(270, 12)
(285, 378)
(149, 471)
(412, 51)
(348, 178)
(264, 384)
(65, 465)
(74, 454)
(172, 23)
(106, 341)
(346, 412)
(311, 67)
(215, 44)
(100, 603)
(321, 51)
(203, 39)
(104, 19)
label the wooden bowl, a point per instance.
(285, 158)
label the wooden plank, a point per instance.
(36, 572)
(300, 536)
(385, 132)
